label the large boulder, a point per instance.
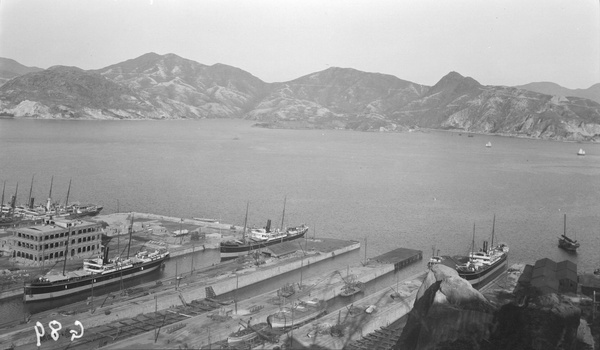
(450, 314)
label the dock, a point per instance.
(200, 332)
(220, 279)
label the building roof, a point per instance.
(284, 248)
(56, 227)
(566, 265)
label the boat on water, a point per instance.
(434, 260)
(298, 314)
(483, 266)
(489, 144)
(581, 152)
(96, 272)
(565, 242)
(258, 238)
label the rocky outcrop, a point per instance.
(449, 314)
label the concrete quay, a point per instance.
(222, 278)
(354, 322)
(200, 331)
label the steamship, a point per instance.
(96, 272)
(256, 239)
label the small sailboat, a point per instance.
(351, 285)
(581, 152)
(565, 242)
(488, 145)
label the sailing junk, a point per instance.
(565, 242)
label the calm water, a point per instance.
(414, 190)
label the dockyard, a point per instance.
(201, 308)
(184, 310)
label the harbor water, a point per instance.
(420, 190)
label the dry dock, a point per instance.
(201, 331)
(222, 278)
(353, 323)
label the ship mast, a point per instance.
(283, 215)
(493, 227)
(130, 233)
(2, 202)
(473, 241)
(245, 221)
(30, 189)
(68, 191)
(50, 194)
(14, 201)
(67, 249)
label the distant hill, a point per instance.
(336, 97)
(10, 69)
(155, 86)
(591, 93)
(182, 88)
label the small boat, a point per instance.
(297, 315)
(350, 289)
(581, 152)
(489, 144)
(566, 242)
(434, 260)
(247, 333)
(286, 291)
(351, 285)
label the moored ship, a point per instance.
(96, 272)
(297, 315)
(483, 266)
(259, 238)
(479, 268)
(565, 242)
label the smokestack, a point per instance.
(31, 201)
(268, 228)
(105, 259)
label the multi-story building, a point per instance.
(54, 239)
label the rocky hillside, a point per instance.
(182, 88)
(156, 86)
(69, 92)
(10, 69)
(456, 102)
(591, 93)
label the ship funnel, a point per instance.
(31, 201)
(268, 228)
(105, 259)
(485, 246)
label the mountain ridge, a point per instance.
(154, 86)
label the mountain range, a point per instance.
(167, 86)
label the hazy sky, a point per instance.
(497, 42)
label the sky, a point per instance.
(496, 42)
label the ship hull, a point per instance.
(479, 279)
(229, 252)
(283, 322)
(47, 291)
